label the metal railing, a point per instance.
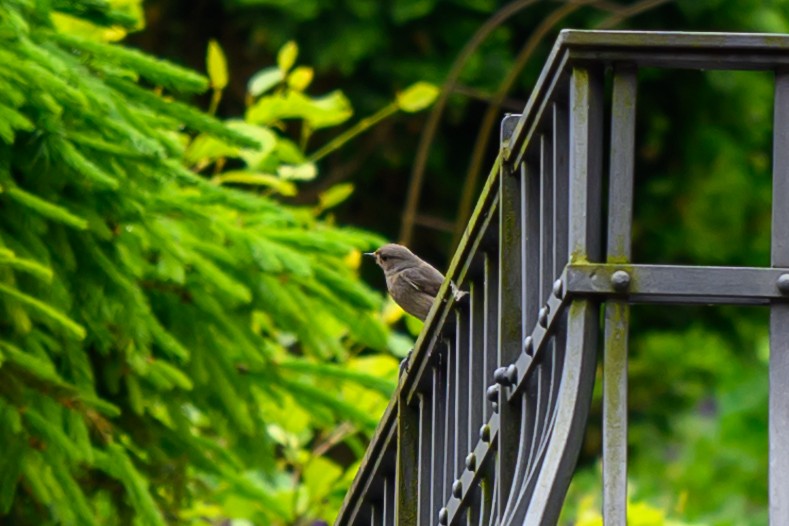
(487, 422)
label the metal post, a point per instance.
(779, 311)
(407, 489)
(510, 314)
(586, 102)
(617, 310)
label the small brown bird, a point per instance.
(412, 283)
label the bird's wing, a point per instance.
(423, 278)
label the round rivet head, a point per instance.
(471, 462)
(512, 374)
(528, 345)
(542, 317)
(783, 283)
(620, 280)
(558, 288)
(484, 433)
(457, 489)
(500, 375)
(443, 516)
(492, 393)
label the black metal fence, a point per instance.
(487, 422)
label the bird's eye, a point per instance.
(383, 258)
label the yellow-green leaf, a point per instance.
(287, 56)
(417, 97)
(206, 147)
(264, 80)
(265, 137)
(300, 78)
(285, 188)
(320, 112)
(217, 65)
(335, 195)
(299, 172)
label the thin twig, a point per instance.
(431, 126)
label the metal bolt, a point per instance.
(620, 280)
(558, 288)
(457, 489)
(471, 462)
(492, 393)
(542, 317)
(783, 283)
(500, 376)
(443, 516)
(528, 345)
(512, 374)
(484, 433)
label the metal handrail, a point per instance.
(487, 420)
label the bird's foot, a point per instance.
(404, 363)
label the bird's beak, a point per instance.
(370, 254)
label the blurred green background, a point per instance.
(189, 336)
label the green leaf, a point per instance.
(264, 80)
(417, 97)
(36, 366)
(51, 432)
(11, 463)
(286, 57)
(206, 147)
(46, 311)
(340, 372)
(335, 195)
(320, 476)
(45, 208)
(319, 112)
(268, 140)
(7, 257)
(301, 172)
(216, 65)
(274, 182)
(300, 78)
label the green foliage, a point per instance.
(175, 348)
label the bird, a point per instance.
(412, 282)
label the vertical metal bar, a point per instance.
(424, 512)
(585, 165)
(543, 372)
(450, 422)
(490, 355)
(531, 283)
(530, 402)
(547, 272)
(511, 312)
(476, 364)
(530, 246)
(437, 450)
(462, 361)
(388, 511)
(779, 312)
(546, 276)
(617, 311)
(561, 170)
(408, 462)
(577, 381)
